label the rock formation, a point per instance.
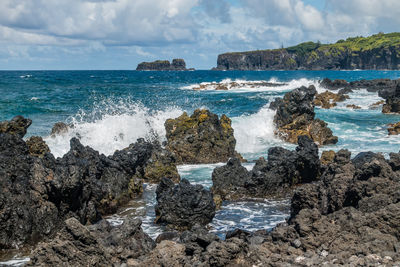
(328, 99)
(272, 178)
(38, 192)
(184, 205)
(200, 138)
(380, 51)
(177, 64)
(394, 128)
(96, 245)
(295, 117)
(392, 99)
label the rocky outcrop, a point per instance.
(177, 64)
(200, 138)
(272, 178)
(392, 99)
(328, 99)
(38, 192)
(231, 85)
(379, 51)
(375, 85)
(59, 128)
(184, 205)
(352, 106)
(16, 126)
(295, 117)
(37, 147)
(394, 128)
(97, 245)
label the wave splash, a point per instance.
(113, 125)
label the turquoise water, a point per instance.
(111, 109)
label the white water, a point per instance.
(116, 127)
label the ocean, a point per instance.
(111, 109)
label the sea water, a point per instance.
(111, 109)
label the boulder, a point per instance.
(352, 106)
(327, 157)
(59, 128)
(200, 138)
(16, 126)
(184, 205)
(334, 85)
(295, 117)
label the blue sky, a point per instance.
(118, 34)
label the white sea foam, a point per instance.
(17, 261)
(25, 76)
(255, 133)
(254, 86)
(34, 98)
(113, 125)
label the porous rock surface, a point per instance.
(184, 205)
(200, 138)
(295, 116)
(39, 192)
(273, 177)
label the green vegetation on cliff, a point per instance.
(379, 51)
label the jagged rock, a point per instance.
(37, 147)
(327, 157)
(328, 99)
(182, 206)
(38, 192)
(16, 126)
(200, 138)
(59, 128)
(97, 245)
(335, 84)
(295, 117)
(274, 177)
(392, 99)
(377, 104)
(73, 246)
(352, 106)
(161, 164)
(394, 128)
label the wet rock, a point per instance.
(59, 128)
(16, 126)
(184, 205)
(200, 138)
(345, 91)
(392, 99)
(328, 99)
(394, 128)
(295, 117)
(352, 106)
(376, 105)
(272, 178)
(37, 147)
(334, 85)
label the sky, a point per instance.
(119, 34)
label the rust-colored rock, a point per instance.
(327, 157)
(394, 128)
(352, 106)
(328, 99)
(37, 146)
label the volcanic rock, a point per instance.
(200, 138)
(184, 205)
(59, 128)
(394, 128)
(272, 178)
(295, 117)
(16, 126)
(328, 99)
(37, 147)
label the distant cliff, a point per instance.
(177, 64)
(380, 51)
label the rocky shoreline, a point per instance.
(344, 211)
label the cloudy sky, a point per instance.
(118, 34)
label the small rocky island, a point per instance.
(379, 51)
(177, 64)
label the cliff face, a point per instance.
(381, 51)
(177, 64)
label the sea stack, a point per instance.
(163, 65)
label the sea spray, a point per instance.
(113, 125)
